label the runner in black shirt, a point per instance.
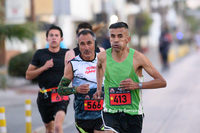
(48, 66)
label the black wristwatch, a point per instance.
(140, 85)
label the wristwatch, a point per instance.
(140, 85)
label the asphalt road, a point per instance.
(175, 109)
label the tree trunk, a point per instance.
(2, 51)
(2, 37)
(33, 20)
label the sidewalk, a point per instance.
(21, 85)
(176, 53)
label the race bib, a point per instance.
(92, 105)
(119, 96)
(55, 97)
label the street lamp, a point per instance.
(113, 19)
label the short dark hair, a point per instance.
(56, 28)
(85, 32)
(83, 25)
(118, 25)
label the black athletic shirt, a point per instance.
(77, 51)
(51, 77)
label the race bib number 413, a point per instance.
(119, 96)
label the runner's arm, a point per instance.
(99, 75)
(141, 61)
(158, 81)
(63, 87)
(32, 71)
(69, 55)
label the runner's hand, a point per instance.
(97, 95)
(128, 84)
(48, 64)
(83, 89)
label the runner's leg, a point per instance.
(49, 127)
(59, 119)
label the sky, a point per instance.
(193, 4)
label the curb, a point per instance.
(178, 52)
(183, 50)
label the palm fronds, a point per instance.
(20, 31)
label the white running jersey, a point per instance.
(84, 72)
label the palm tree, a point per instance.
(9, 31)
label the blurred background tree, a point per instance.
(194, 23)
(142, 25)
(9, 31)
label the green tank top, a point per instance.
(116, 100)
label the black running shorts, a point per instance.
(49, 110)
(89, 126)
(122, 122)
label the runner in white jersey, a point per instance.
(82, 70)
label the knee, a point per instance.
(58, 127)
(49, 129)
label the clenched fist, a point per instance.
(48, 64)
(83, 89)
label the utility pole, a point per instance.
(32, 11)
(2, 3)
(32, 18)
(2, 37)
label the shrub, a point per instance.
(19, 64)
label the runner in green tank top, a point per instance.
(122, 68)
